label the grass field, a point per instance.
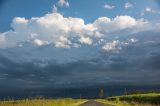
(43, 102)
(152, 99)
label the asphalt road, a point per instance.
(94, 103)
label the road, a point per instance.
(94, 103)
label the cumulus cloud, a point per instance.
(85, 40)
(48, 28)
(116, 46)
(40, 42)
(109, 7)
(107, 25)
(64, 32)
(112, 46)
(150, 10)
(132, 40)
(128, 5)
(2, 41)
(60, 3)
(63, 3)
(54, 8)
(63, 42)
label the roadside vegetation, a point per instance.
(149, 99)
(129, 99)
(43, 102)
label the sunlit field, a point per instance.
(152, 99)
(43, 102)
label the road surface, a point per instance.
(94, 103)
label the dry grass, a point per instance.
(43, 102)
(152, 99)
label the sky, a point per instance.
(78, 43)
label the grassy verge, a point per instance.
(43, 102)
(152, 99)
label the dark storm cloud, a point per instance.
(39, 68)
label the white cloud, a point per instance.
(2, 41)
(63, 42)
(85, 40)
(20, 20)
(19, 24)
(63, 3)
(54, 9)
(113, 46)
(132, 40)
(98, 34)
(116, 46)
(65, 32)
(128, 5)
(60, 3)
(107, 25)
(110, 7)
(40, 42)
(150, 10)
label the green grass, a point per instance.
(43, 102)
(152, 99)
